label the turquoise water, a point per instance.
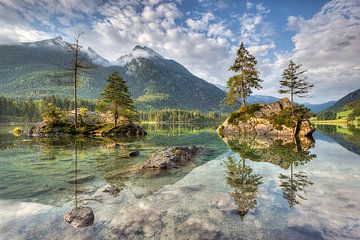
(235, 189)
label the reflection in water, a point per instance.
(348, 136)
(276, 151)
(37, 188)
(79, 216)
(244, 183)
(294, 186)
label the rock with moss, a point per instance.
(89, 123)
(275, 119)
(172, 157)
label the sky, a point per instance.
(203, 35)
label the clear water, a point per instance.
(244, 189)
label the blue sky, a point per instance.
(203, 35)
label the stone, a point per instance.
(80, 217)
(81, 179)
(199, 229)
(172, 157)
(134, 153)
(112, 190)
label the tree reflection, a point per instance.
(294, 185)
(286, 154)
(80, 216)
(244, 183)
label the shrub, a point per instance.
(53, 114)
(244, 114)
(17, 131)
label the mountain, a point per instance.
(163, 83)
(28, 70)
(317, 108)
(347, 99)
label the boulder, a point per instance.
(172, 157)
(80, 217)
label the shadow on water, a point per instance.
(286, 154)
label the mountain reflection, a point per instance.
(244, 183)
(347, 136)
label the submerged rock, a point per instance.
(172, 157)
(274, 120)
(82, 179)
(80, 217)
(134, 153)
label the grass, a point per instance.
(343, 114)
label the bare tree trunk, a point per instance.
(116, 116)
(76, 65)
(75, 78)
(243, 104)
(292, 101)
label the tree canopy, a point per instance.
(246, 78)
(116, 99)
(293, 83)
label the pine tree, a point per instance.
(116, 99)
(247, 78)
(293, 83)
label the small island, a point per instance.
(275, 120)
(114, 117)
(283, 119)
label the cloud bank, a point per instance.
(202, 40)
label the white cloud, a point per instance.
(328, 46)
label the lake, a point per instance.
(242, 188)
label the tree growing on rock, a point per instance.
(294, 83)
(116, 99)
(246, 78)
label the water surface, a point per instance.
(248, 188)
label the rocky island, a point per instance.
(275, 120)
(90, 123)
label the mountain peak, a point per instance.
(144, 52)
(52, 42)
(138, 52)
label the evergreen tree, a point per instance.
(293, 83)
(246, 79)
(116, 99)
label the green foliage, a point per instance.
(116, 99)
(53, 114)
(290, 116)
(244, 114)
(31, 110)
(327, 115)
(292, 83)
(247, 78)
(177, 115)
